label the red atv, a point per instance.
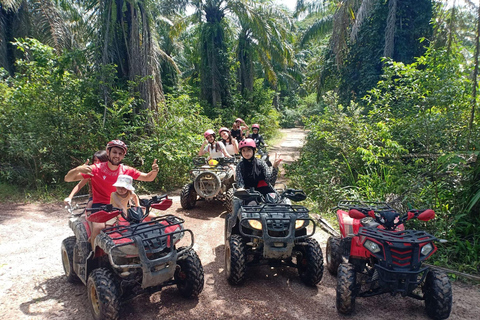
(132, 257)
(376, 255)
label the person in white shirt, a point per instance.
(231, 144)
(215, 149)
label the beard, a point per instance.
(113, 162)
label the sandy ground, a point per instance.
(33, 285)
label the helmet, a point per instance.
(209, 132)
(118, 144)
(223, 129)
(239, 119)
(256, 125)
(247, 143)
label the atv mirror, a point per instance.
(164, 205)
(426, 215)
(295, 195)
(102, 216)
(355, 214)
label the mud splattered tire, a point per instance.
(103, 295)
(235, 259)
(333, 255)
(310, 262)
(229, 200)
(189, 274)
(188, 197)
(346, 288)
(437, 291)
(67, 259)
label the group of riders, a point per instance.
(110, 180)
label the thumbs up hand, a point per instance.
(85, 168)
(155, 165)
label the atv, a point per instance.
(212, 180)
(136, 255)
(376, 255)
(268, 229)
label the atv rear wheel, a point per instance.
(188, 197)
(189, 274)
(235, 259)
(310, 262)
(334, 254)
(346, 288)
(437, 291)
(229, 200)
(67, 259)
(103, 295)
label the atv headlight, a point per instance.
(300, 223)
(426, 249)
(255, 224)
(372, 246)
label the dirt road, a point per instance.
(32, 284)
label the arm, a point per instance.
(75, 189)
(235, 145)
(151, 175)
(272, 173)
(224, 150)
(136, 200)
(202, 149)
(76, 173)
(239, 177)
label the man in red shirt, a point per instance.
(104, 175)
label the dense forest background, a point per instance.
(386, 88)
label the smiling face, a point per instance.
(210, 138)
(115, 155)
(122, 191)
(247, 153)
(255, 130)
(224, 135)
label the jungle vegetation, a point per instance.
(387, 89)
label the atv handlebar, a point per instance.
(390, 219)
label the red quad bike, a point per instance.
(132, 257)
(376, 255)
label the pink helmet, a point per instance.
(209, 132)
(247, 143)
(118, 144)
(239, 119)
(223, 129)
(256, 125)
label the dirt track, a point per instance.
(32, 284)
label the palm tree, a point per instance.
(38, 19)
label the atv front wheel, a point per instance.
(437, 291)
(310, 262)
(346, 288)
(188, 197)
(67, 258)
(235, 259)
(334, 254)
(229, 200)
(103, 295)
(189, 274)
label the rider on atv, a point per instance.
(216, 149)
(104, 175)
(252, 172)
(256, 136)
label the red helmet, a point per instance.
(239, 119)
(256, 125)
(209, 132)
(247, 143)
(223, 129)
(118, 144)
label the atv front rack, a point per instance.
(275, 218)
(369, 205)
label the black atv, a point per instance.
(211, 180)
(267, 229)
(132, 257)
